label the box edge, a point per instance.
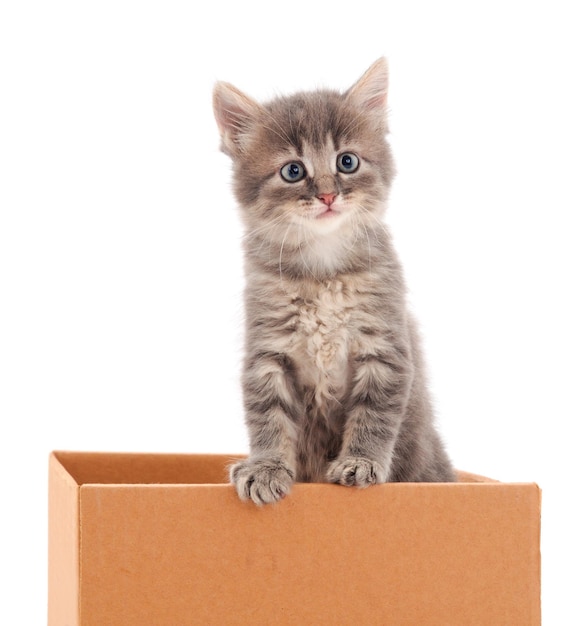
(63, 546)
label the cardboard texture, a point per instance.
(162, 540)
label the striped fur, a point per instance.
(333, 378)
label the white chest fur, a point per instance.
(320, 344)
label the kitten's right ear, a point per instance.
(370, 91)
(235, 113)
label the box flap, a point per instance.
(145, 468)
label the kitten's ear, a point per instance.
(370, 91)
(235, 113)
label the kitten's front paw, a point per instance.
(262, 480)
(355, 471)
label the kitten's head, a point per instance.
(311, 164)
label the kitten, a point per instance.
(333, 380)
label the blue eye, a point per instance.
(347, 163)
(292, 172)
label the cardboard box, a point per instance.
(162, 540)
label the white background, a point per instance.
(120, 263)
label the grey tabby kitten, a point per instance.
(333, 378)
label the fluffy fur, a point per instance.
(333, 379)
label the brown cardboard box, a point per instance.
(161, 540)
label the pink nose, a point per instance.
(327, 198)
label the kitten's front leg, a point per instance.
(271, 412)
(379, 396)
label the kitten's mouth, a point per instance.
(327, 213)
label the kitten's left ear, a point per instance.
(370, 91)
(235, 113)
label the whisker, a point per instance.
(362, 227)
(281, 255)
(307, 241)
(382, 226)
